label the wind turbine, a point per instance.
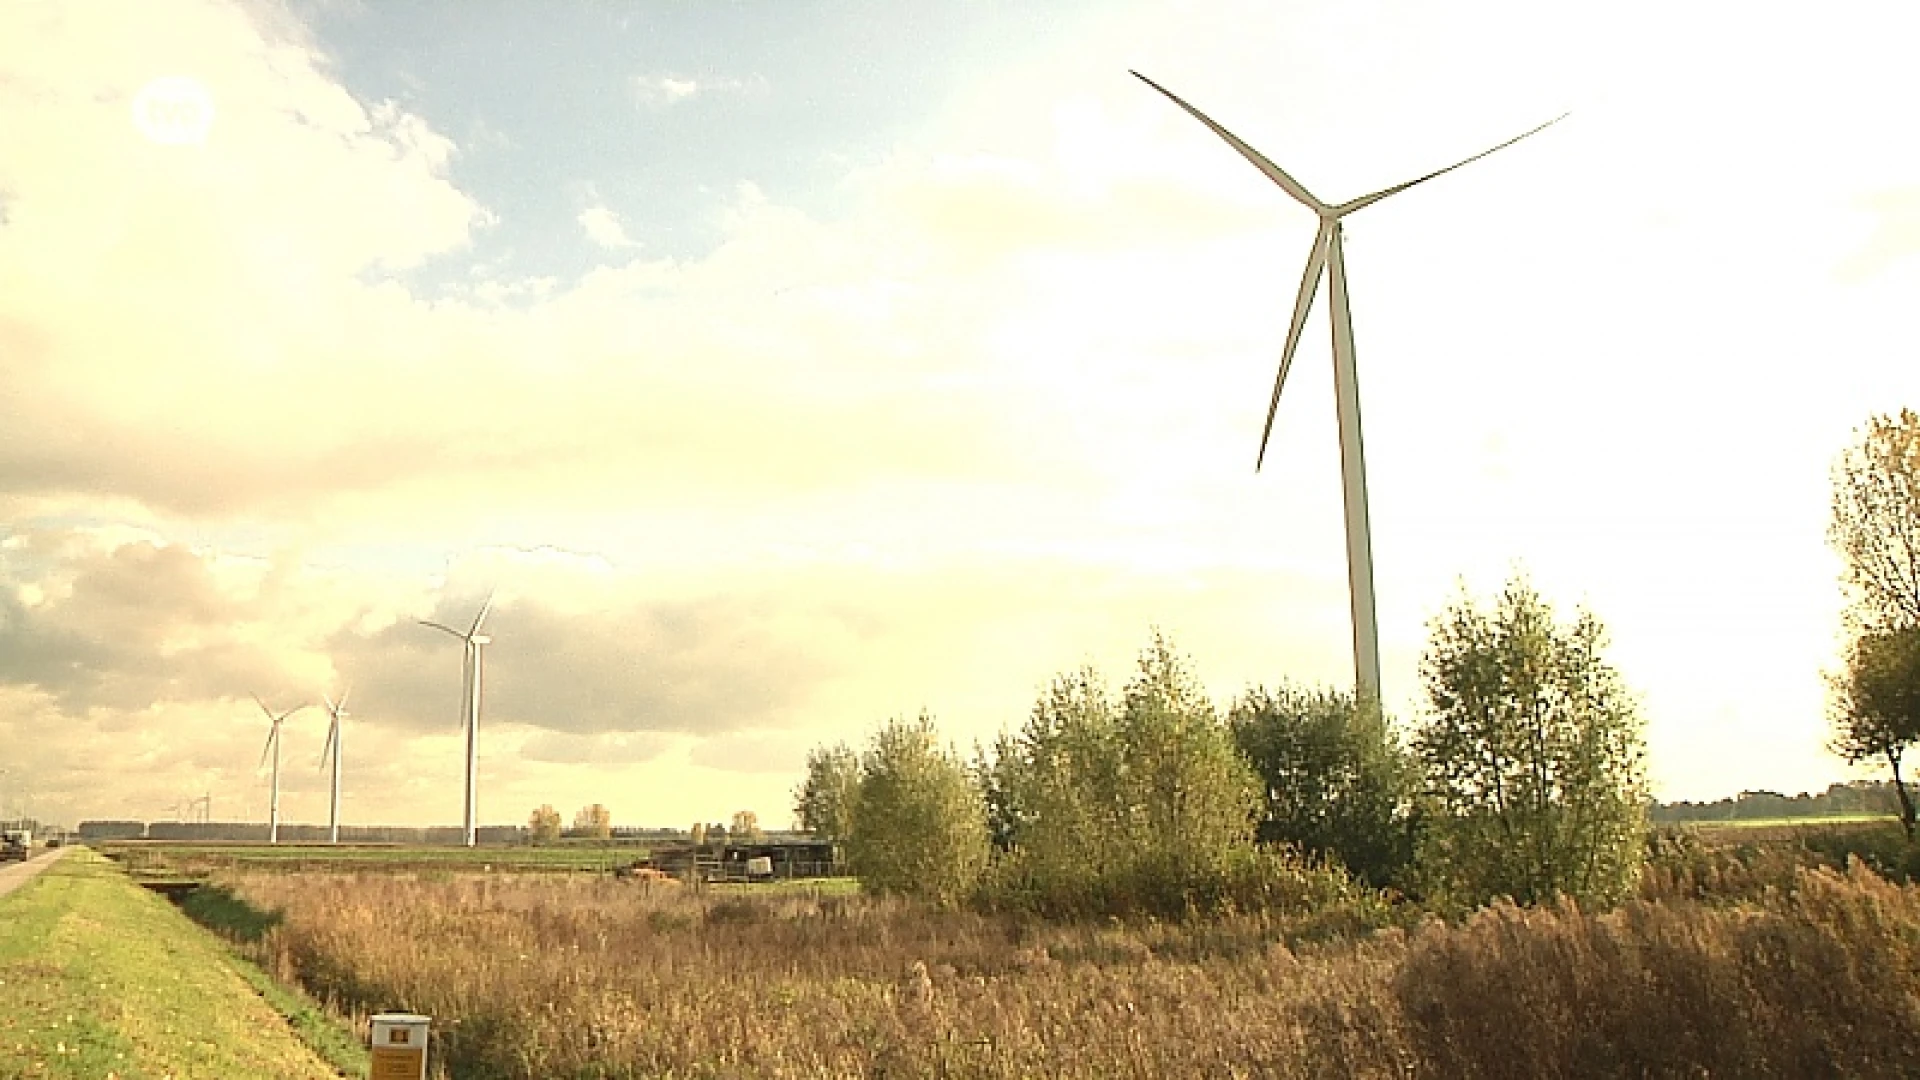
(273, 747)
(475, 641)
(335, 709)
(1326, 256)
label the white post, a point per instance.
(1353, 480)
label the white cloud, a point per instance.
(603, 228)
(661, 91)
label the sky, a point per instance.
(783, 368)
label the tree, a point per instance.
(1533, 754)
(1876, 522)
(544, 825)
(594, 822)
(919, 826)
(1190, 791)
(1056, 798)
(1337, 783)
(1876, 705)
(1106, 806)
(746, 827)
(823, 803)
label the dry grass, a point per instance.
(536, 977)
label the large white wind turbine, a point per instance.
(1326, 256)
(475, 641)
(273, 747)
(335, 709)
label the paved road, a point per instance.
(14, 875)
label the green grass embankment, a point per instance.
(101, 978)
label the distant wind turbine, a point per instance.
(335, 709)
(1327, 252)
(475, 641)
(273, 747)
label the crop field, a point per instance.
(1723, 966)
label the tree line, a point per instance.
(1525, 779)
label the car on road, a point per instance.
(15, 844)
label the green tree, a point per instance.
(1533, 755)
(1108, 806)
(1337, 782)
(823, 803)
(1056, 794)
(543, 826)
(1876, 705)
(1876, 522)
(919, 823)
(1190, 792)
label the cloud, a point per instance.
(565, 748)
(603, 228)
(659, 91)
(131, 625)
(706, 665)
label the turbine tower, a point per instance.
(335, 709)
(475, 641)
(1326, 256)
(273, 747)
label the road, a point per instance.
(14, 875)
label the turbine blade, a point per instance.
(1309, 283)
(341, 708)
(262, 704)
(1274, 172)
(267, 748)
(482, 617)
(333, 736)
(1368, 200)
(438, 626)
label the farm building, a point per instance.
(765, 861)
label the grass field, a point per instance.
(532, 977)
(101, 978)
(1771, 830)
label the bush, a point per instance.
(1337, 782)
(919, 825)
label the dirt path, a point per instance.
(14, 875)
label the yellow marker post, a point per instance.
(399, 1043)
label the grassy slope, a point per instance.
(99, 977)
